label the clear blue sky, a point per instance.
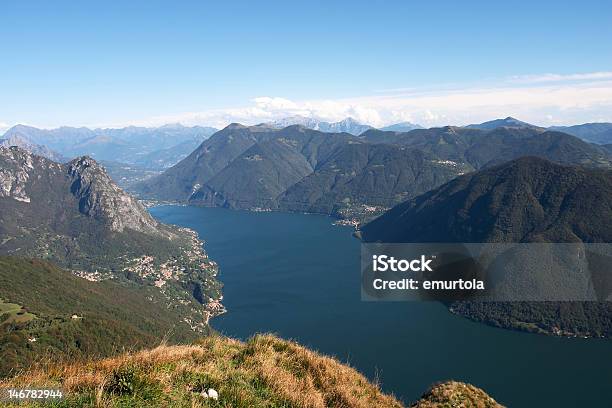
(85, 63)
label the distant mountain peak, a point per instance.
(236, 125)
(83, 163)
(21, 126)
(172, 126)
(496, 123)
(347, 125)
(401, 127)
(597, 132)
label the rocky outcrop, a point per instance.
(25, 143)
(99, 197)
(457, 395)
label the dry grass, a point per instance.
(264, 372)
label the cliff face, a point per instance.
(99, 197)
(18, 168)
(25, 176)
(73, 201)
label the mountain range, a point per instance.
(150, 148)
(348, 125)
(482, 148)
(355, 177)
(134, 154)
(600, 133)
(298, 169)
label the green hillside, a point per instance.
(525, 200)
(111, 316)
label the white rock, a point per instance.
(213, 394)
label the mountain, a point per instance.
(482, 148)
(348, 125)
(255, 178)
(26, 144)
(307, 122)
(236, 150)
(370, 175)
(526, 200)
(74, 215)
(401, 127)
(298, 169)
(496, 123)
(600, 133)
(271, 162)
(264, 371)
(59, 139)
(182, 179)
(130, 145)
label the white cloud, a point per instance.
(267, 103)
(549, 99)
(4, 127)
(590, 76)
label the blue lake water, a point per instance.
(298, 276)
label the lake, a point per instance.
(298, 276)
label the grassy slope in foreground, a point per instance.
(264, 372)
